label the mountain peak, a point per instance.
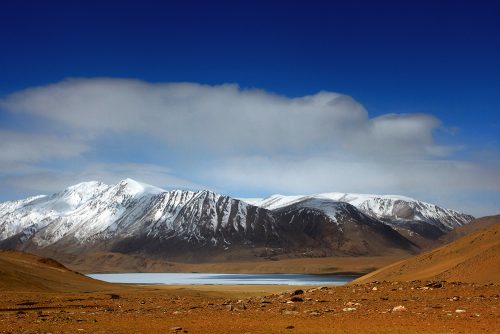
(135, 187)
(85, 185)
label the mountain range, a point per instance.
(135, 218)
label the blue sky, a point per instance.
(254, 98)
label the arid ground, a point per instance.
(38, 295)
(415, 307)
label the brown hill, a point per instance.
(473, 258)
(26, 272)
(462, 231)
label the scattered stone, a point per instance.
(352, 304)
(435, 285)
(296, 299)
(459, 311)
(399, 308)
(241, 306)
(454, 299)
(374, 288)
(349, 309)
(290, 327)
(229, 307)
(314, 313)
(175, 329)
(114, 296)
(27, 303)
(290, 312)
(298, 292)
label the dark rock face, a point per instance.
(345, 230)
(403, 210)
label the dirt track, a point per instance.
(451, 308)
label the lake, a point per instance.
(236, 279)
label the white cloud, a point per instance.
(224, 118)
(324, 173)
(437, 181)
(49, 181)
(18, 148)
(238, 140)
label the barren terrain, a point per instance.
(416, 307)
(44, 304)
(473, 258)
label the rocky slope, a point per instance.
(322, 227)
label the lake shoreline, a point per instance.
(224, 279)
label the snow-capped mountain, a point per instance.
(392, 209)
(132, 217)
(90, 212)
(331, 227)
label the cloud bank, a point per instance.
(224, 118)
(245, 141)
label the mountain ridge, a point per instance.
(134, 217)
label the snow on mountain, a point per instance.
(132, 216)
(329, 207)
(92, 211)
(400, 209)
(392, 209)
(83, 210)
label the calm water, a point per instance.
(196, 278)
